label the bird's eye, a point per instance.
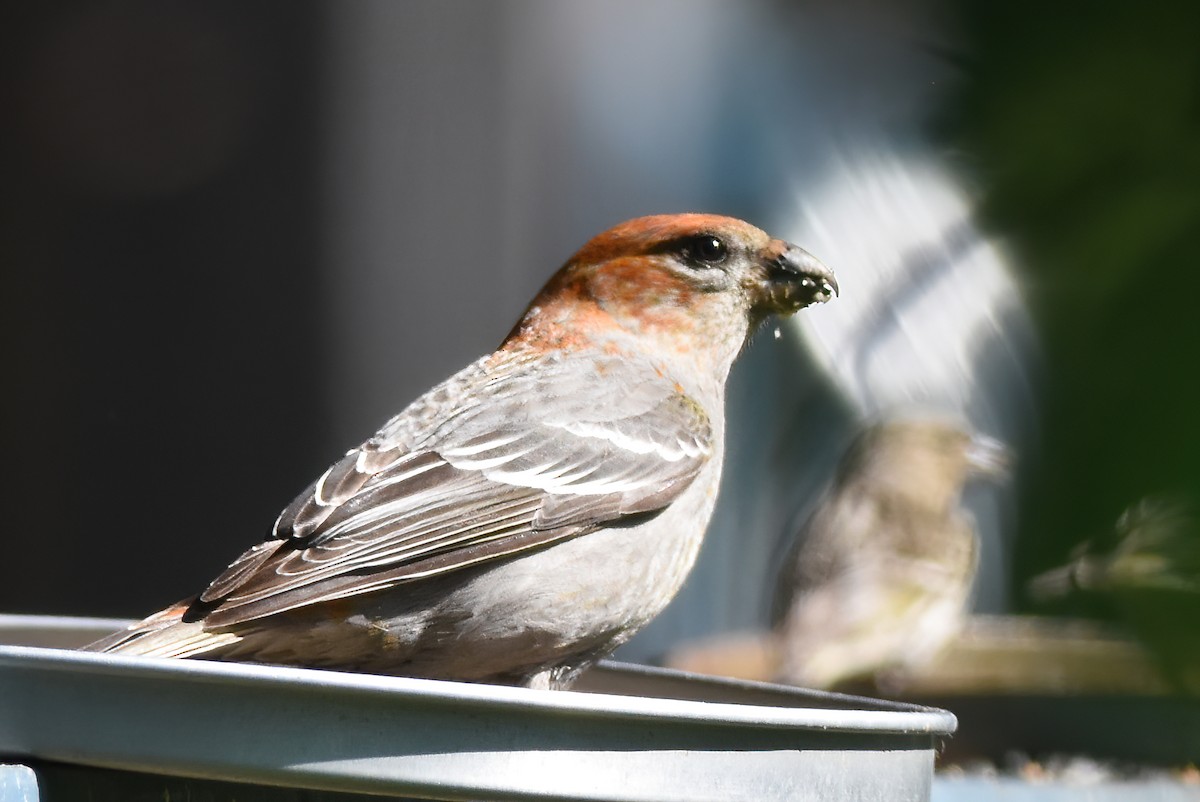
(707, 249)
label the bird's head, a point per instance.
(922, 460)
(684, 282)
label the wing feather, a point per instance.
(543, 460)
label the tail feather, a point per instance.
(164, 634)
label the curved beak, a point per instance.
(796, 279)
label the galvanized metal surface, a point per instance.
(369, 734)
(63, 782)
(52, 782)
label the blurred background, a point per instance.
(237, 237)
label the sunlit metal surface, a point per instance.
(361, 733)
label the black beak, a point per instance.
(798, 279)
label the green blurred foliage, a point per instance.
(1082, 124)
(1147, 571)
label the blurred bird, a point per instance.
(881, 572)
(1149, 570)
(532, 512)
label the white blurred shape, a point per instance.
(928, 307)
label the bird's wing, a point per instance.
(816, 556)
(527, 457)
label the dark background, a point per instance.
(165, 386)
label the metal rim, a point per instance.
(908, 719)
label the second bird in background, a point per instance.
(881, 573)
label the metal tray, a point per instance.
(683, 737)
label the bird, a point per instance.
(1147, 570)
(529, 514)
(880, 574)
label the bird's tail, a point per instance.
(164, 634)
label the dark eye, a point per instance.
(707, 249)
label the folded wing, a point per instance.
(524, 455)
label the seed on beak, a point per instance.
(799, 279)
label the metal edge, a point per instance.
(735, 684)
(19, 622)
(796, 711)
(900, 722)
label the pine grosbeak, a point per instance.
(881, 573)
(529, 514)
